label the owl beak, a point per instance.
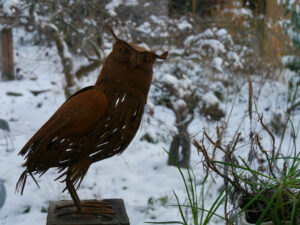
(134, 60)
(162, 56)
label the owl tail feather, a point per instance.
(22, 181)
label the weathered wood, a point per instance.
(120, 218)
(7, 57)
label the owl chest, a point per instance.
(122, 120)
(124, 111)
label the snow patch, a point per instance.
(112, 5)
(221, 32)
(184, 25)
(214, 44)
(170, 79)
(9, 5)
(210, 99)
(145, 28)
(178, 104)
(217, 64)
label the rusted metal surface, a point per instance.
(95, 123)
(120, 218)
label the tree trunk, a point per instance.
(260, 26)
(7, 57)
(194, 6)
(180, 149)
(176, 7)
(67, 63)
(174, 151)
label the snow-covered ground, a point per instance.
(140, 175)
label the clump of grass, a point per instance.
(195, 202)
(269, 194)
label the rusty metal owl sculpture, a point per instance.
(95, 123)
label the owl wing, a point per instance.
(73, 119)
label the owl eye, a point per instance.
(123, 50)
(148, 59)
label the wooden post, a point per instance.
(7, 57)
(194, 6)
(276, 38)
(120, 218)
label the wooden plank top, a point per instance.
(120, 218)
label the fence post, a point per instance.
(7, 56)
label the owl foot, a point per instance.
(88, 208)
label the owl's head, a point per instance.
(137, 56)
(130, 63)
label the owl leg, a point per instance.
(84, 208)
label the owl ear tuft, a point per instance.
(162, 56)
(113, 34)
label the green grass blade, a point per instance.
(260, 219)
(293, 215)
(180, 210)
(246, 169)
(216, 204)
